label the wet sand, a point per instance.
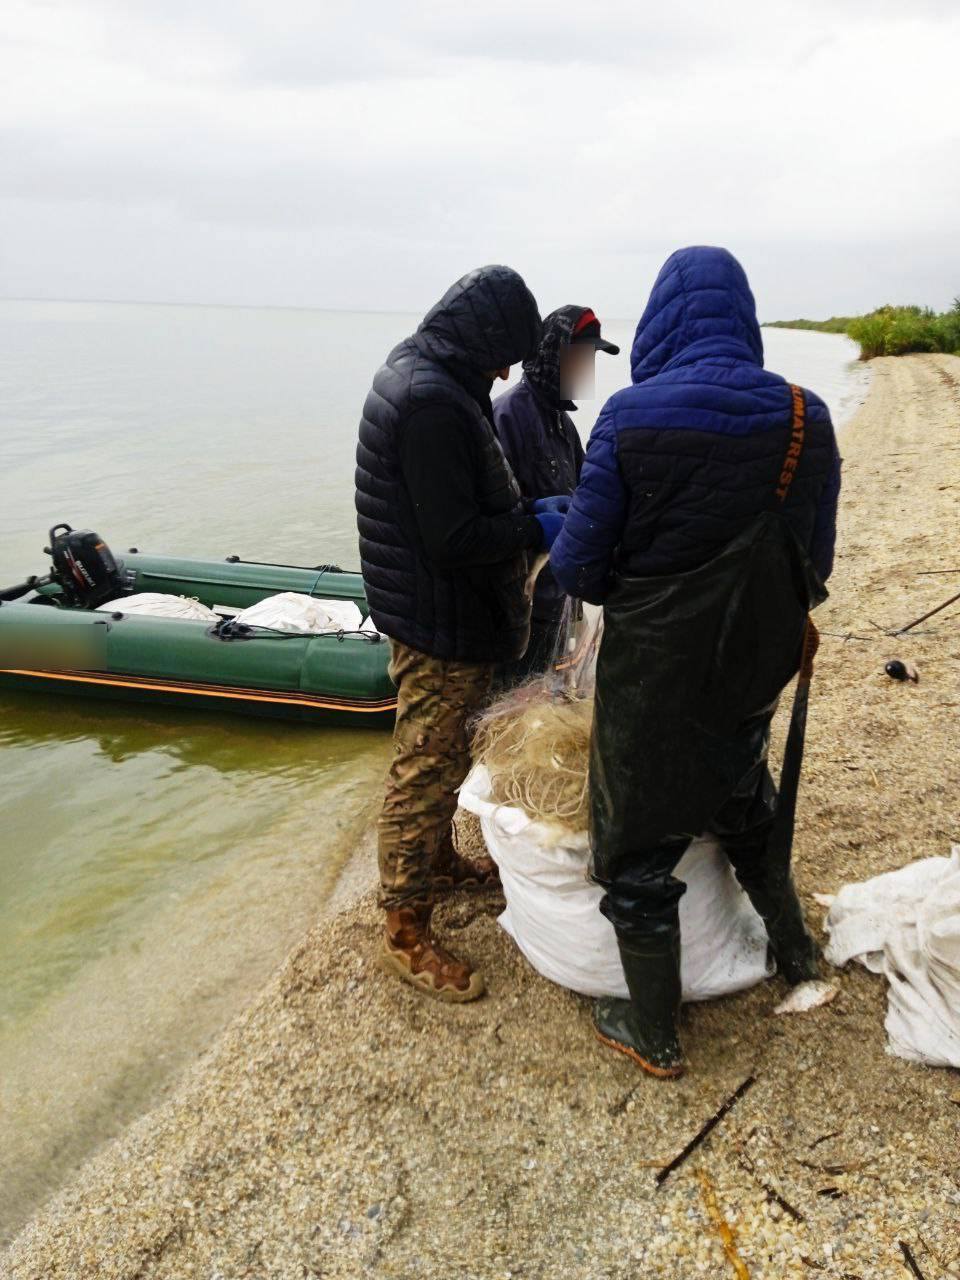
(345, 1127)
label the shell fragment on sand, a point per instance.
(807, 996)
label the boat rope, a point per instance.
(231, 629)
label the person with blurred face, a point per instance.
(543, 446)
(445, 543)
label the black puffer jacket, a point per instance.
(443, 533)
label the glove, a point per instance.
(559, 504)
(551, 522)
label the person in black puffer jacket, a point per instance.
(444, 543)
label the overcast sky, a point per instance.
(364, 155)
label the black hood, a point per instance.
(486, 321)
(543, 368)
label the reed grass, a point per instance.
(892, 330)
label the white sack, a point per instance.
(553, 910)
(906, 925)
(294, 612)
(154, 604)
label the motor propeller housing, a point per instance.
(84, 566)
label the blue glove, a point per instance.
(559, 504)
(551, 522)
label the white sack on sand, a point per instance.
(553, 910)
(906, 925)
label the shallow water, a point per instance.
(827, 363)
(155, 865)
(150, 885)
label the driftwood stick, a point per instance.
(916, 622)
(704, 1131)
(910, 1260)
(770, 1192)
(722, 1226)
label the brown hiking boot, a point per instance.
(454, 871)
(411, 952)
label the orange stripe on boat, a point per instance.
(208, 691)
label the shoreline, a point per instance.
(345, 1126)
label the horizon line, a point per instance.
(264, 306)
(241, 306)
(223, 306)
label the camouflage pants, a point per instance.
(431, 758)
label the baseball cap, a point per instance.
(587, 329)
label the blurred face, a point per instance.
(577, 370)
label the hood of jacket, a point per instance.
(543, 368)
(486, 321)
(700, 306)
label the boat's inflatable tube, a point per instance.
(334, 677)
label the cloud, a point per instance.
(309, 154)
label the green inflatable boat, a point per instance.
(55, 636)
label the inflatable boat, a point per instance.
(68, 632)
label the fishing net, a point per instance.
(534, 739)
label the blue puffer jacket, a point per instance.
(683, 460)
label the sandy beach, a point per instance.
(343, 1126)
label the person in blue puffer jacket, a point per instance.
(704, 522)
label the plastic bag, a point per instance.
(906, 925)
(294, 612)
(154, 604)
(553, 910)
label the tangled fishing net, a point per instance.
(534, 740)
(535, 751)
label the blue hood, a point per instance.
(700, 306)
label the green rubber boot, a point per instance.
(644, 1028)
(774, 898)
(794, 949)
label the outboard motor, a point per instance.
(84, 566)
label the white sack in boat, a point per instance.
(553, 910)
(154, 604)
(906, 925)
(294, 612)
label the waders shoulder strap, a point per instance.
(781, 836)
(791, 461)
(798, 433)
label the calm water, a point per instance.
(154, 866)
